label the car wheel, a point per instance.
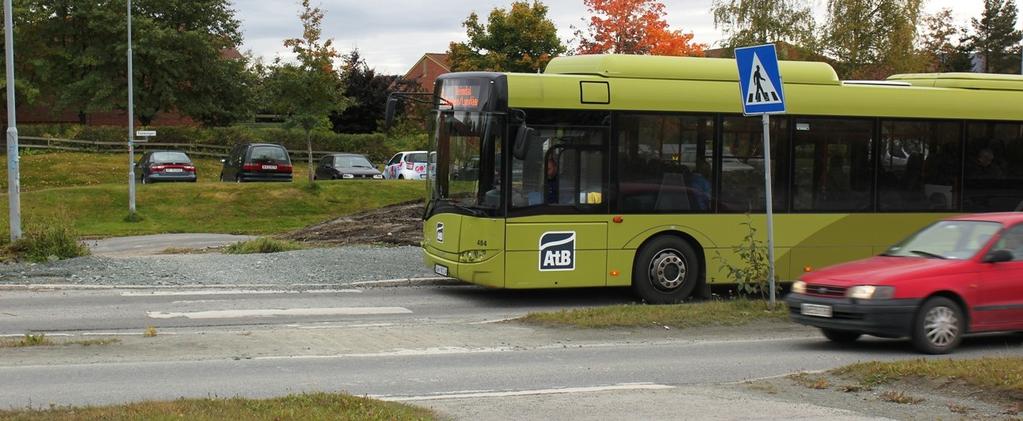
(666, 271)
(841, 336)
(939, 326)
(401, 177)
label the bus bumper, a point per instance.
(489, 272)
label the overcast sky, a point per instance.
(393, 34)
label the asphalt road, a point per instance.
(441, 346)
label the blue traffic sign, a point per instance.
(760, 80)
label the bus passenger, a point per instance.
(551, 172)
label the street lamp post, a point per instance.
(131, 123)
(13, 175)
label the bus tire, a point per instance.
(667, 270)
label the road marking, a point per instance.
(501, 394)
(274, 312)
(22, 335)
(233, 292)
(31, 287)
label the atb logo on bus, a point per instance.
(440, 232)
(557, 251)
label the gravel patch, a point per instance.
(331, 266)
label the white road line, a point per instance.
(274, 312)
(19, 287)
(233, 292)
(501, 394)
(22, 335)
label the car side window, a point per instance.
(396, 159)
(1012, 240)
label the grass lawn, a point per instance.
(994, 374)
(70, 169)
(312, 406)
(680, 316)
(247, 208)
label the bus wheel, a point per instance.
(666, 271)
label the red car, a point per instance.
(957, 276)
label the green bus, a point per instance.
(640, 171)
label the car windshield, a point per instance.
(416, 158)
(170, 158)
(351, 162)
(269, 153)
(947, 240)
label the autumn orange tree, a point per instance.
(632, 27)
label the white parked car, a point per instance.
(410, 165)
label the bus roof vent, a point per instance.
(683, 68)
(877, 82)
(979, 81)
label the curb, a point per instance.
(386, 283)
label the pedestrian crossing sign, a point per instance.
(760, 80)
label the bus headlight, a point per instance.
(870, 292)
(799, 287)
(472, 256)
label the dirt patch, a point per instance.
(400, 225)
(911, 398)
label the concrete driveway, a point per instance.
(147, 245)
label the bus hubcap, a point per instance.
(668, 270)
(941, 326)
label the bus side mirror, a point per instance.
(390, 111)
(521, 146)
(998, 256)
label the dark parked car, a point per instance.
(257, 162)
(165, 166)
(345, 166)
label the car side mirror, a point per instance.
(521, 147)
(998, 256)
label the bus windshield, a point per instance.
(465, 162)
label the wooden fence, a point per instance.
(194, 149)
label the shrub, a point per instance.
(55, 239)
(751, 275)
(261, 245)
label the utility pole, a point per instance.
(131, 123)
(13, 170)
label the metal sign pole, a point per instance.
(13, 170)
(131, 122)
(769, 206)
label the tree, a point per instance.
(996, 38)
(944, 44)
(308, 91)
(521, 39)
(368, 92)
(870, 39)
(753, 22)
(632, 27)
(79, 57)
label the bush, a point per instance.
(751, 275)
(262, 245)
(53, 240)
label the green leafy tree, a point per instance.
(79, 57)
(944, 45)
(308, 91)
(753, 22)
(520, 39)
(871, 39)
(996, 38)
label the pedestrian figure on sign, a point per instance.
(760, 88)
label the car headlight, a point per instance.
(472, 256)
(799, 287)
(347, 176)
(870, 292)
